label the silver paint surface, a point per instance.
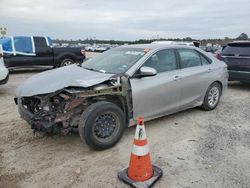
(57, 79)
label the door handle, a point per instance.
(176, 78)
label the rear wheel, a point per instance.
(66, 62)
(212, 97)
(102, 125)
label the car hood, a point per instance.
(57, 79)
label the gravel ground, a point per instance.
(194, 148)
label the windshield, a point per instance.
(242, 49)
(115, 61)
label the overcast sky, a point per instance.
(126, 19)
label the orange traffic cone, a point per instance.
(140, 172)
(140, 167)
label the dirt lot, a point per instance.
(194, 148)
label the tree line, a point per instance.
(242, 36)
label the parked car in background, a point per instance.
(203, 47)
(108, 92)
(31, 51)
(102, 49)
(187, 43)
(237, 57)
(90, 48)
(97, 48)
(4, 72)
(217, 53)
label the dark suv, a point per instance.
(237, 57)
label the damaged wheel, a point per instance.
(102, 125)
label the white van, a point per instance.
(4, 72)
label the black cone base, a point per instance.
(157, 174)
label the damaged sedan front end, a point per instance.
(60, 111)
(50, 113)
(94, 98)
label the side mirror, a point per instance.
(147, 71)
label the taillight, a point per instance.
(217, 55)
(83, 52)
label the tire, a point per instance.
(66, 62)
(96, 119)
(212, 97)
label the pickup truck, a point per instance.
(32, 51)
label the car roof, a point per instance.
(240, 41)
(156, 46)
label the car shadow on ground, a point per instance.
(28, 70)
(239, 85)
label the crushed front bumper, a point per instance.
(43, 123)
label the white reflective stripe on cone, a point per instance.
(140, 133)
(140, 150)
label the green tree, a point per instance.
(243, 36)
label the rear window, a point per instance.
(40, 42)
(242, 49)
(23, 44)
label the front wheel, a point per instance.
(212, 97)
(102, 125)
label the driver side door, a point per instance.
(157, 95)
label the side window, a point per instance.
(23, 44)
(6, 44)
(204, 61)
(162, 61)
(189, 58)
(40, 42)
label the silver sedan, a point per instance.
(108, 92)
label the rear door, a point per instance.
(160, 94)
(44, 55)
(195, 77)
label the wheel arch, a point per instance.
(67, 56)
(115, 99)
(58, 59)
